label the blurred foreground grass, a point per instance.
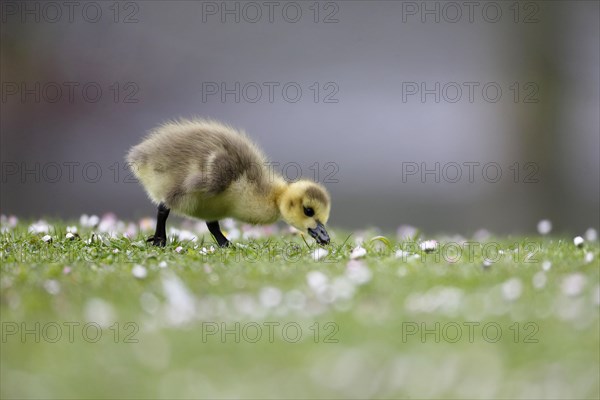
(108, 316)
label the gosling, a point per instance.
(208, 170)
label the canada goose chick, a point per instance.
(207, 170)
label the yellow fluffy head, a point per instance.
(305, 205)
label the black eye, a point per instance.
(309, 212)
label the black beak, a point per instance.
(320, 234)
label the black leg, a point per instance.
(160, 235)
(215, 229)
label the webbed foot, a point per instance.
(157, 241)
(224, 243)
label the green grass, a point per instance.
(381, 326)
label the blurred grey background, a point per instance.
(81, 84)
